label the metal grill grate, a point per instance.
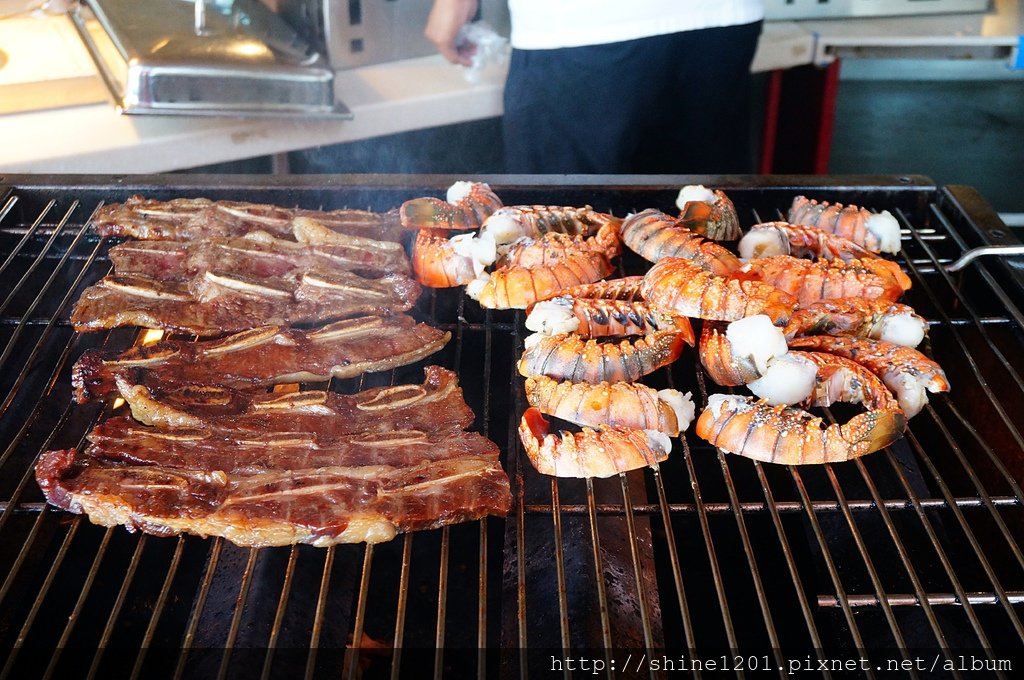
(915, 547)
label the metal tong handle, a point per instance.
(199, 20)
(975, 253)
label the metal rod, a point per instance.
(115, 611)
(869, 564)
(784, 507)
(931, 599)
(634, 552)
(403, 598)
(23, 553)
(1006, 300)
(1008, 304)
(442, 603)
(746, 507)
(990, 453)
(944, 559)
(136, 554)
(459, 329)
(352, 653)
(198, 605)
(673, 556)
(908, 566)
(755, 572)
(965, 350)
(282, 603)
(481, 631)
(602, 594)
(673, 550)
(517, 483)
(43, 590)
(709, 545)
(353, 650)
(991, 502)
(318, 617)
(705, 529)
(481, 628)
(969, 533)
(830, 565)
(28, 474)
(486, 327)
(787, 552)
(236, 617)
(158, 607)
(37, 261)
(982, 321)
(563, 598)
(199, 17)
(82, 595)
(974, 253)
(5, 355)
(29, 233)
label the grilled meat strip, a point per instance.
(263, 356)
(183, 219)
(268, 470)
(435, 405)
(215, 303)
(123, 440)
(321, 505)
(255, 255)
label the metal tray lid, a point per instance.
(175, 57)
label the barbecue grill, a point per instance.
(913, 549)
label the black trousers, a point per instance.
(677, 103)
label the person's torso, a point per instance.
(549, 24)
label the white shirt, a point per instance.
(549, 24)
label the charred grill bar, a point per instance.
(917, 546)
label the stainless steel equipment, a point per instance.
(176, 56)
(913, 550)
(239, 57)
(836, 9)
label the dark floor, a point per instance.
(953, 131)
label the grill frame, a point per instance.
(569, 549)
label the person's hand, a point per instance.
(443, 24)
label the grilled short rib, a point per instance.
(312, 468)
(255, 256)
(183, 219)
(436, 404)
(263, 356)
(321, 506)
(126, 441)
(213, 303)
